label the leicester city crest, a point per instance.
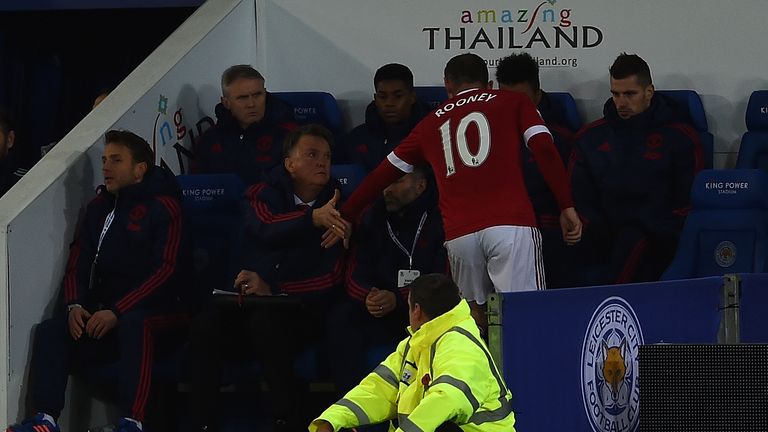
(609, 367)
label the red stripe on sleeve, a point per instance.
(170, 254)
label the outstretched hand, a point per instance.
(327, 216)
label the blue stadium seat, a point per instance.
(211, 208)
(566, 105)
(349, 175)
(690, 99)
(314, 107)
(431, 95)
(753, 152)
(727, 228)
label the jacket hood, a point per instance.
(662, 111)
(159, 181)
(434, 328)
(374, 121)
(277, 111)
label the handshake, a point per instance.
(337, 228)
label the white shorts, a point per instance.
(497, 259)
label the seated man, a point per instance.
(398, 238)
(395, 110)
(121, 286)
(441, 377)
(631, 176)
(285, 218)
(11, 167)
(520, 72)
(250, 128)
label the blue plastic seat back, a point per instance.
(727, 228)
(350, 176)
(566, 106)
(690, 100)
(314, 107)
(753, 152)
(434, 96)
(211, 203)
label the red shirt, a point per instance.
(473, 144)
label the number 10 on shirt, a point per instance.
(466, 156)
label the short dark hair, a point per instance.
(236, 72)
(312, 129)
(138, 146)
(519, 68)
(394, 72)
(6, 123)
(466, 69)
(436, 294)
(627, 65)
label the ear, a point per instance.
(140, 170)
(412, 97)
(448, 87)
(225, 102)
(537, 97)
(421, 185)
(605, 350)
(288, 164)
(418, 312)
(11, 138)
(649, 91)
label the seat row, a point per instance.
(322, 107)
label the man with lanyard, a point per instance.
(398, 238)
(123, 287)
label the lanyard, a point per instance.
(415, 239)
(107, 223)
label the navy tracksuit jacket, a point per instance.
(138, 275)
(631, 181)
(249, 153)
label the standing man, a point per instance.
(248, 136)
(631, 174)
(473, 144)
(121, 286)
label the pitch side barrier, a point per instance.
(570, 356)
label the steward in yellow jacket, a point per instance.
(442, 377)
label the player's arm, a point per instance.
(397, 164)
(539, 140)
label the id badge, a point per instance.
(405, 277)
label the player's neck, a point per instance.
(469, 86)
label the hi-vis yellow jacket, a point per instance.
(442, 372)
